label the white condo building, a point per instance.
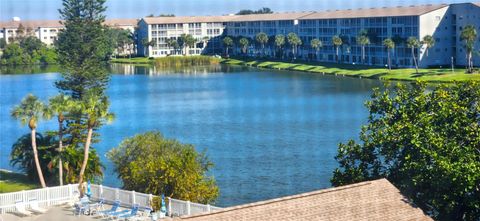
(47, 30)
(443, 22)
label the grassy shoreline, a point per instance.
(361, 71)
(13, 182)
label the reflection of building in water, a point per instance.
(152, 70)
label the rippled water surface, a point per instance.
(269, 133)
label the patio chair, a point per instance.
(105, 213)
(35, 208)
(131, 215)
(145, 213)
(20, 209)
(82, 207)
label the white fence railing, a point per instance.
(46, 197)
(61, 194)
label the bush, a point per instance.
(180, 61)
(150, 163)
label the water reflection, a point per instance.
(151, 70)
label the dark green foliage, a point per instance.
(21, 157)
(426, 142)
(29, 50)
(83, 47)
(260, 11)
(153, 164)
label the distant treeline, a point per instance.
(259, 11)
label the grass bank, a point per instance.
(362, 71)
(12, 182)
(171, 61)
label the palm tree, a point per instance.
(205, 42)
(337, 42)
(429, 42)
(412, 43)
(187, 41)
(363, 40)
(469, 35)
(294, 41)
(389, 44)
(280, 42)
(262, 39)
(29, 112)
(228, 42)
(59, 105)
(316, 45)
(244, 44)
(145, 44)
(95, 108)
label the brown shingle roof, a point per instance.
(376, 12)
(372, 200)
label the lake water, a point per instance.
(269, 133)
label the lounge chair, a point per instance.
(82, 207)
(145, 213)
(131, 215)
(105, 213)
(20, 209)
(35, 208)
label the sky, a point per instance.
(48, 9)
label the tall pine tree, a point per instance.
(83, 48)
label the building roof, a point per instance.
(121, 22)
(376, 12)
(372, 200)
(271, 17)
(56, 23)
(31, 24)
(187, 19)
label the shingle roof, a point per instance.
(372, 200)
(32, 24)
(187, 19)
(56, 23)
(272, 16)
(121, 22)
(376, 12)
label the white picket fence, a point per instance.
(52, 196)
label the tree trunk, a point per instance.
(337, 54)
(35, 157)
(414, 60)
(85, 160)
(293, 52)
(363, 54)
(60, 150)
(389, 61)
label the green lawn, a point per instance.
(12, 182)
(405, 74)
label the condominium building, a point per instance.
(158, 30)
(441, 21)
(47, 30)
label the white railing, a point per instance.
(46, 197)
(61, 194)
